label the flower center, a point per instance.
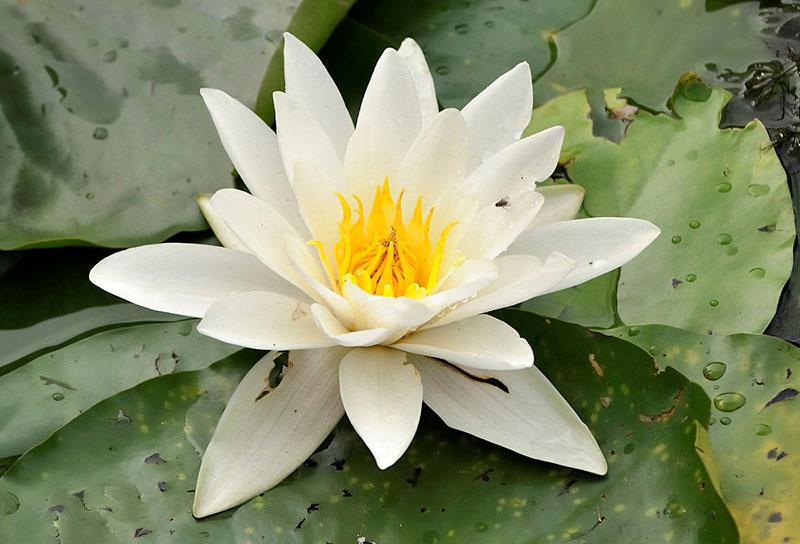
(384, 255)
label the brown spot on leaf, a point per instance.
(598, 369)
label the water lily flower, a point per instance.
(372, 253)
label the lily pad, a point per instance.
(661, 40)
(719, 196)
(107, 483)
(49, 391)
(48, 300)
(753, 383)
(103, 136)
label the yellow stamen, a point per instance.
(381, 253)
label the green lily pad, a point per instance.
(49, 391)
(103, 136)
(48, 300)
(661, 40)
(753, 383)
(591, 304)
(100, 481)
(719, 196)
(467, 44)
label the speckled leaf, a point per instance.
(756, 415)
(591, 304)
(109, 481)
(103, 136)
(47, 299)
(49, 391)
(662, 39)
(467, 44)
(720, 198)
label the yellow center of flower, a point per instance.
(383, 254)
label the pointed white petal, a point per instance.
(519, 166)
(480, 341)
(598, 245)
(418, 66)
(400, 314)
(221, 230)
(262, 438)
(521, 277)
(319, 206)
(382, 397)
(308, 82)
(494, 227)
(260, 228)
(333, 329)
(388, 122)
(436, 159)
(531, 419)
(456, 204)
(561, 203)
(309, 270)
(263, 320)
(184, 279)
(302, 139)
(253, 149)
(499, 114)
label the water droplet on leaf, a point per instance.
(714, 370)
(729, 402)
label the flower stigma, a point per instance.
(384, 255)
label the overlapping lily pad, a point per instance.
(719, 195)
(754, 442)
(103, 136)
(102, 480)
(51, 390)
(644, 46)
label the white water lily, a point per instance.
(373, 253)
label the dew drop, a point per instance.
(110, 56)
(762, 429)
(392, 418)
(674, 510)
(9, 503)
(89, 196)
(713, 302)
(725, 420)
(724, 239)
(714, 370)
(694, 223)
(100, 133)
(481, 527)
(729, 402)
(691, 277)
(758, 272)
(443, 70)
(633, 331)
(757, 189)
(723, 187)
(712, 420)
(676, 239)
(57, 396)
(462, 28)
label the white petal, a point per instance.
(221, 230)
(531, 419)
(338, 333)
(499, 114)
(400, 314)
(302, 139)
(260, 228)
(253, 149)
(388, 122)
(561, 203)
(309, 270)
(308, 82)
(382, 397)
(184, 279)
(418, 66)
(519, 166)
(476, 342)
(494, 227)
(262, 438)
(263, 320)
(460, 204)
(521, 277)
(316, 197)
(436, 159)
(598, 245)
(466, 280)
